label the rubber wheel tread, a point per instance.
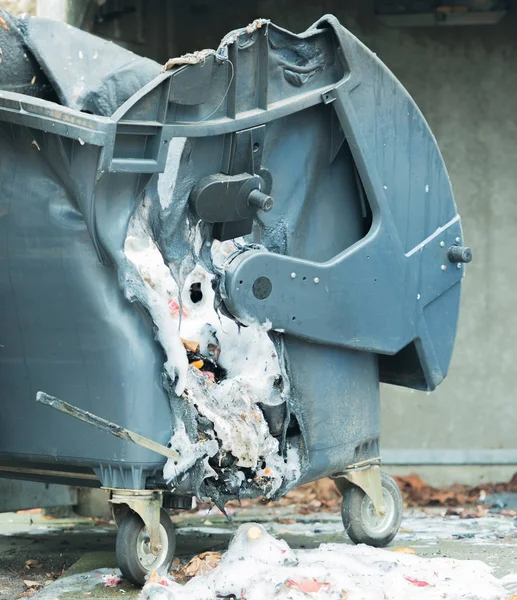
(126, 546)
(357, 531)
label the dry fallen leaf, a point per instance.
(33, 564)
(201, 564)
(32, 584)
(3, 23)
(54, 575)
(405, 550)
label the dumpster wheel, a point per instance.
(133, 547)
(363, 524)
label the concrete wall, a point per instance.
(17, 7)
(21, 495)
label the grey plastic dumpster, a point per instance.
(348, 263)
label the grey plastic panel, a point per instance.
(66, 327)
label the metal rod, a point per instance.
(105, 425)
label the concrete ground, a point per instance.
(36, 549)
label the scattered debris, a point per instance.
(258, 566)
(33, 564)
(78, 585)
(200, 564)
(101, 522)
(405, 550)
(308, 586)
(111, 580)
(53, 575)
(467, 513)
(320, 496)
(191, 58)
(3, 23)
(418, 582)
(32, 584)
(323, 496)
(27, 594)
(190, 345)
(157, 579)
(417, 493)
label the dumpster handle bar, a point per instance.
(105, 425)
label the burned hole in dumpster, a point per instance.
(227, 383)
(196, 295)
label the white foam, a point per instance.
(247, 354)
(268, 568)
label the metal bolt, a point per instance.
(316, 280)
(458, 254)
(442, 244)
(293, 275)
(458, 240)
(260, 200)
(444, 267)
(458, 265)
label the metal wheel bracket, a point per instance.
(369, 480)
(146, 504)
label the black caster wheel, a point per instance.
(133, 547)
(362, 523)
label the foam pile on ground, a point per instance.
(258, 567)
